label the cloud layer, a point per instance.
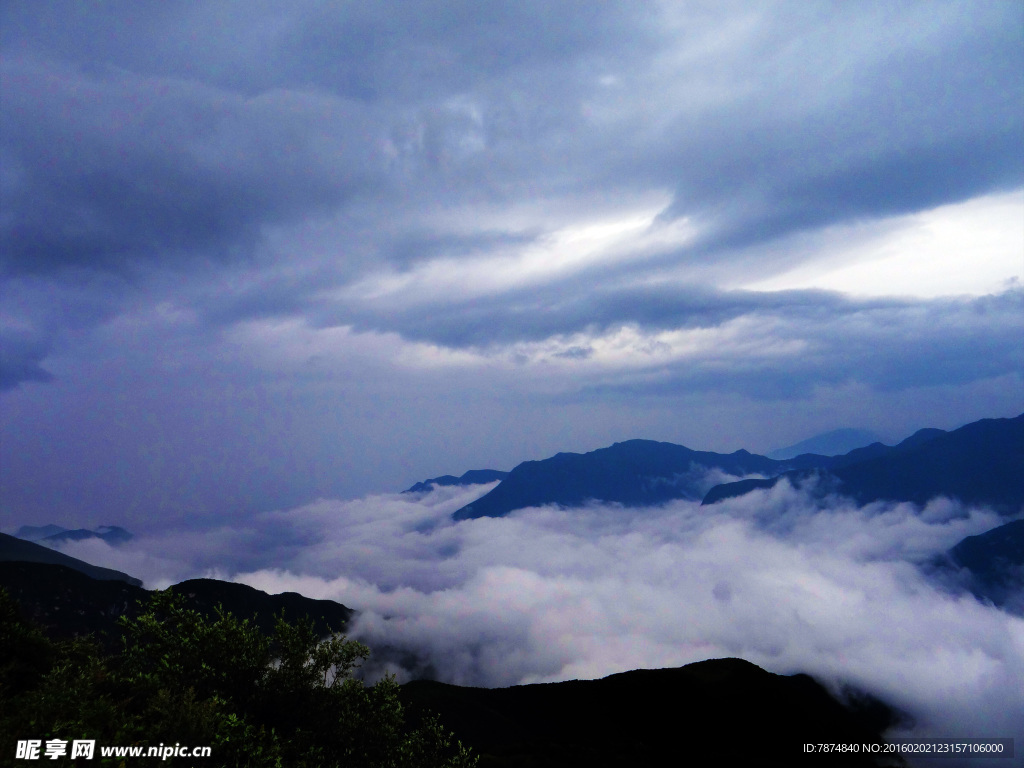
(777, 577)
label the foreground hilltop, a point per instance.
(712, 712)
(70, 601)
(715, 712)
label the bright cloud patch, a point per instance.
(973, 248)
(581, 243)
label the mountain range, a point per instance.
(980, 463)
(632, 473)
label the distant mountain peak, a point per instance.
(832, 443)
(55, 534)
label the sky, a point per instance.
(257, 254)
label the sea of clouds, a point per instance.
(786, 578)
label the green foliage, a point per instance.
(259, 702)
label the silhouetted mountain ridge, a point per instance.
(715, 712)
(13, 549)
(68, 602)
(980, 463)
(631, 473)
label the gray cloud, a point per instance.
(765, 120)
(940, 342)
(570, 306)
(840, 339)
(840, 120)
(373, 51)
(111, 169)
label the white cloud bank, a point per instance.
(789, 583)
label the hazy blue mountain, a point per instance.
(979, 463)
(13, 549)
(716, 712)
(632, 473)
(37, 532)
(47, 534)
(472, 477)
(111, 534)
(833, 443)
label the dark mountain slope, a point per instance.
(980, 463)
(472, 477)
(739, 488)
(989, 565)
(633, 473)
(205, 594)
(67, 602)
(717, 712)
(880, 450)
(16, 550)
(987, 551)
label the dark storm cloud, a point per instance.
(885, 184)
(869, 110)
(365, 51)
(888, 344)
(144, 128)
(378, 51)
(106, 169)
